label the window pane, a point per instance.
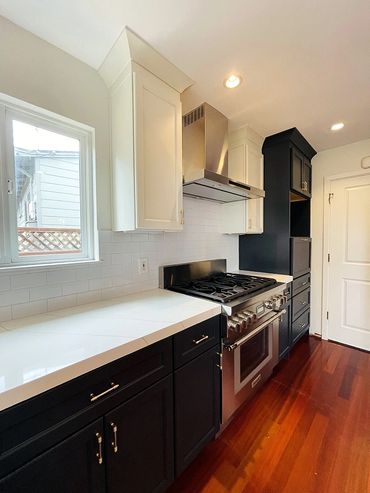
(47, 172)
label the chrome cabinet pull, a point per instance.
(93, 397)
(203, 338)
(99, 453)
(304, 303)
(304, 186)
(303, 326)
(114, 442)
(220, 364)
(304, 283)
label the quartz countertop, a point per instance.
(279, 277)
(40, 352)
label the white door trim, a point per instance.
(325, 250)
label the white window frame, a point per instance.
(13, 109)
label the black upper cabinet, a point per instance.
(287, 175)
(300, 173)
(139, 442)
(76, 465)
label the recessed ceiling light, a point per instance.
(233, 81)
(337, 126)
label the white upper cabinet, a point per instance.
(146, 139)
(246, 166)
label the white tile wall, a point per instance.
(32, 293)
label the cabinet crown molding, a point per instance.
(131, 47)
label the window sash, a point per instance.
(9, 248)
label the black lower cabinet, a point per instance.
(197, 406)
(285, 331)
(139, 442)
(90, 436)
(76, 465)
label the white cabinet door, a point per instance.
(246, 166)
(238, 163)
(255, 178)
(157, 151)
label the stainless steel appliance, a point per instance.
(251, 311)
(205, 158)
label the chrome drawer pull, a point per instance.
(114, 443)
(102, 394)
(303, 326)
(304, 303)
(304, 283)
(256, 380)
(99, 453)
(203, 338)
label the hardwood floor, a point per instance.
(307, 431)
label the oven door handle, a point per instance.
(241, 341)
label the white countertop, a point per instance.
(40, 352)
(279, 277)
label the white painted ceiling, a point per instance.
(305, 63)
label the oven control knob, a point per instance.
(269, 304)
(251, 315)
(241, 320)
(235, 322)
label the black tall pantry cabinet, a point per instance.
(285, 245)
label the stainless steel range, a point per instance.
(251, 308)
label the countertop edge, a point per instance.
(28, 390)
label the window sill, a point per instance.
(42, 267)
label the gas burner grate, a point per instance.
(224, 287)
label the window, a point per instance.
(47, 210)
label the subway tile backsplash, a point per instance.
(24, 294)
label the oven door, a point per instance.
(253, 354)
(247, 363)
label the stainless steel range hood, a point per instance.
(205, 158)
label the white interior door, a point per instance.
(349, 267)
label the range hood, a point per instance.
(205, 158)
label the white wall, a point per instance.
(39, 73)
(327, 163)
(31, 293)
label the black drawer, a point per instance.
(194, 341)
(300, 303)
(301, 283)
(300, 326)
(69, 406)
(300, 256)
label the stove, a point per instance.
(223, 287)
(252, 308)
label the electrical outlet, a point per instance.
(143, 266)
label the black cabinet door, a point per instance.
(297, 160)
(76, 465)
(300, 173)
(139, 442)
(284, 331)
(197, 406)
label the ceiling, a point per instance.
(304, 63)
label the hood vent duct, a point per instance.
(205, 158)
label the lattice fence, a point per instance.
(39, 241)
